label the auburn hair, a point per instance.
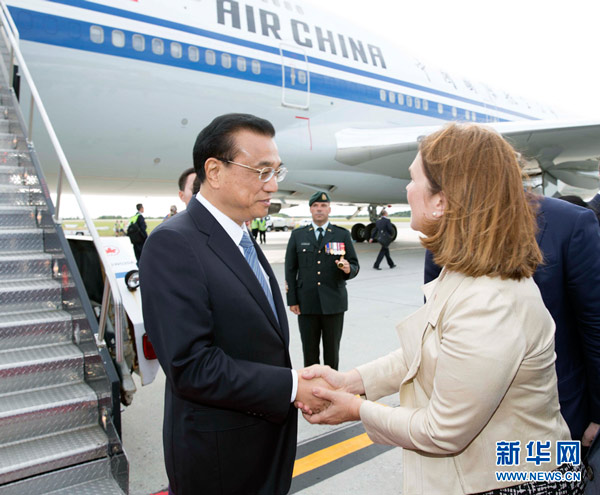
(488, 226)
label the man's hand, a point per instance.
(344, 407)
(343, 265)
(295, 309)
(589, 434)
(305, 399)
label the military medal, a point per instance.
(336, 248)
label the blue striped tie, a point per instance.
(251, 258)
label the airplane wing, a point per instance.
(565, 151)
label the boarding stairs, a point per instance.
(57, 405)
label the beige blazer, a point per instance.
(475, 366)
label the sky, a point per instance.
(541, 50)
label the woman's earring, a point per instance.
(435, 214)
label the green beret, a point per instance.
(321, 197)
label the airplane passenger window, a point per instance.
(255, 67)
(299, 10)
(276, 3)
(118, 38)
(440, 108)
(226, 60)
(382, 94)
(288, 5)
(158, 46)
(425, 105)
(409, 100)
(138, 42)
(176, 50)
(193, 53)
(301, 77)
(454, 112)
(241, 64)
(96, 34)
(417, 102)
(392, 97)
(400, 99)
(211, 58)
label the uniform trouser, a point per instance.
(263, 236)
(384, 251)
(329, 327)
(255, 233)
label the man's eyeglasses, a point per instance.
(265, 174)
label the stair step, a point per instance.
(12, 141)
(42, 366)
(25, 266)
(8, 126)
(30, 295)
(91, 478)
(7, 112)
(15, 158)
(33, 329)
(19, 195)
(18, 175)
(18, 217)
(21, 241)
(49, 410)
(40, 455)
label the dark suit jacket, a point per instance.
(141, 221)
(229, 426)
(569, 281)
(312, 277)
(384, 224)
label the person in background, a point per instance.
(172, 212)
(262, 230)
(315, 275)
(475, 367)
(186, 183)
(255, 228)
(137, 231)
(214, 314)
(383, 234)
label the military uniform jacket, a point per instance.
(313, 280)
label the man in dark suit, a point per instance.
(315, 277)
(216, 319)
(569, 281)
(383, 233)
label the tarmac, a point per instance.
(378, 301)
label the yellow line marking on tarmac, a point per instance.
(330, 454)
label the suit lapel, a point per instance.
(223, 246)
(282, 328)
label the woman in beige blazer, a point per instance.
(475, 367)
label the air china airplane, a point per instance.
(128, 85)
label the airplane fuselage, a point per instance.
(128, 85)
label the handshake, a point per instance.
(326, 396)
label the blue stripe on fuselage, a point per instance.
(71, 33)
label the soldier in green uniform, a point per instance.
(315, 276)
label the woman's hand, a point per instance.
(344, 407)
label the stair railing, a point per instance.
(11, 35)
